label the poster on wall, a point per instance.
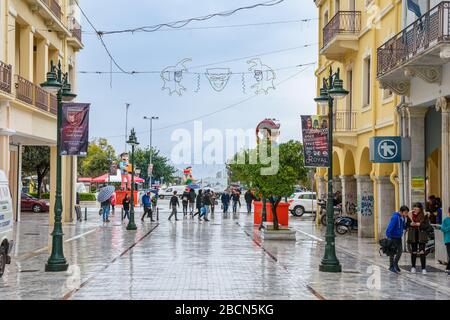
(315, 141)
(75, 129)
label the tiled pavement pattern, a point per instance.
(224, 259)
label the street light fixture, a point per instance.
(150, 165)
(132, 141)
(58, 83)
(333, 88)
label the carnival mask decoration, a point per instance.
(173, 76)
(218, 78)
(264, 76)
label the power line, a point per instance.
(187, 72)
(216, 111)
(182, 23)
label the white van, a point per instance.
(167, 193)
(6, 223)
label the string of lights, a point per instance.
(182, 23)
(214, 112)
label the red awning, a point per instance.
(84, 179)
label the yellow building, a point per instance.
(350, 33)
(33, 33)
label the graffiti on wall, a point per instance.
(367, 205)
(350, 206)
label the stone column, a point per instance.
(349, 195)
(41, 60)
(321, 187)
(2, 34)
(385, 203)
(337, 184)
(442, 105)
(364, 188)
(417, 165)
(11, 49)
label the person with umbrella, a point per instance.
(104, 197)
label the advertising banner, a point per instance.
(315, 141)
(75, 129)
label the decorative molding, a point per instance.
(430, 74)
(401, 88)
(12, 11)
(442, 104)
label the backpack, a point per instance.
(386, 247)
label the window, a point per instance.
(366, 81)
(337, 6)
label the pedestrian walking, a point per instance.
(249, 197)
(432, 208)
(106, 207)
(235, 198)
(77, 207)
(418, 227)
(192, 196)
(206, 204)
(174, 203)
(126, 206)
(185, 202)
(199, 203)
(225, 199)
(394, 233)
(213, 202)
(113, 204)
(146, 202)
(445, 228)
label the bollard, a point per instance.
(157, 213)
(85, 214)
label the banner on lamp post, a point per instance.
(315, 132)
(150, 169)
(75, 129)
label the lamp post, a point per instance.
(58, 83)
(132, 141)
(150, 172)
(332, 89)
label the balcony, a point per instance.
(76, 30)
(340, 35)
(345, 127)
(5, 77)
(34, 95)
(51, 12)
(421, 49)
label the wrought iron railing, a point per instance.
(5, 77)
(345, 121)
(430, 29)
(53, 104)
(344, 22)
(24, 90)
(75, 28)
(41, 98)
(54, 7)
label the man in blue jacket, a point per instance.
(394, 232)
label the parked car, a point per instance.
(167, 193)
(28, 203)
(302, 202)
(6, 223)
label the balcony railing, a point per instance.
(75, 28)
(34, 95)
(344, 22)
(24, 90)
(5, 77)
(430, 29)
(54, 7)
(345, 121)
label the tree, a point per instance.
(161, 165)
(36, 160)
(99, 157)
(276, 185)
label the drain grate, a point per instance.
(28, 271)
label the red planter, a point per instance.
(120, 195)
(282, 213)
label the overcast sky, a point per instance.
(159, 50)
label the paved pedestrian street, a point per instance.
(222, 259)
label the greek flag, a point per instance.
(413, 5)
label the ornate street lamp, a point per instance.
(132, 141)
(58, 83)
(333, 88)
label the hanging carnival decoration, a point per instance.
(218, 78)
(264, 76)
(172, 77)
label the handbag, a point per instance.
(100, 212)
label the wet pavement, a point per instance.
(222, 259)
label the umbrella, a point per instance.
(194, 186)
(105, 193)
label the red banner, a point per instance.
(75, 129)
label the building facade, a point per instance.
(350, 33)
(32, 34)
(415, 63)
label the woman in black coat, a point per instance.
(199, 202)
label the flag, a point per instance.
(413, 5)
